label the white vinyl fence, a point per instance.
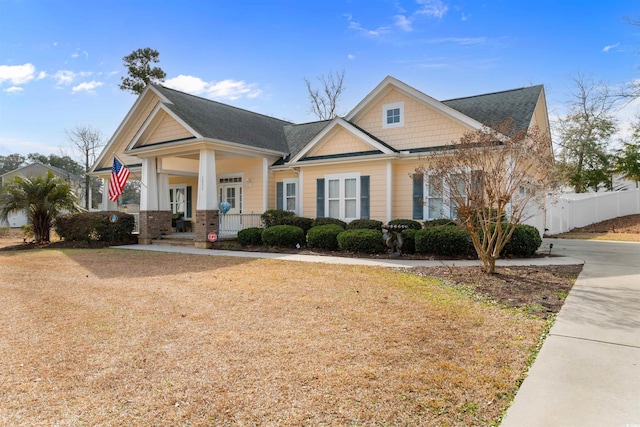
(569, 211)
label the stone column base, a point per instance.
(206, 221)
(153, 224)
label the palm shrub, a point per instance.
(250, 236)
(361, 240)
(284, 236)
(43, 198)
(324, 237)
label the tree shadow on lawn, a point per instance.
(107, 263)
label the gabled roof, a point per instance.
(55, 169)
(494, 108)
(222, 122)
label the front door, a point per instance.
(231, 192)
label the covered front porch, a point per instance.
(181, 191)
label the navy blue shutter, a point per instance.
(364, 197)
(279, 195)
(320, 198)
(418, 196)
(189, 197)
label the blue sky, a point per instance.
(61, 61)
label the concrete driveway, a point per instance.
(588, 371)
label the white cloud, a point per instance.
(224, 89)
(403, 23)
(64, 77)
(459, 40)
(14, 89)
(435, 8)
(88, 87)
(353, 25)
(17, 74)
(609, 47)
(75, 55)
(41, 75)
(351, 56)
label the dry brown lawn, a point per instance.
(114, 337)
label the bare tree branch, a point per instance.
(324, 101)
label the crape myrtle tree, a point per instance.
(139, 67)
(43, 198)
(491, 178)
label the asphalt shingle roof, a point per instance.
(224, 122)
(219, 121)
(493, 108)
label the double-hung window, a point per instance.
(343, 196)
(290, 195)
(443, 195)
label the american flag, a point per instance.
(119, 176)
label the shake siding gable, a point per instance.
(423, 125)
(167, 129)
(341, 142)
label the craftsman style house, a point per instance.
(192, 153)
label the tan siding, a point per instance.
(403, 189)
(341, 142)
(128, 132)
(168, 130)
(376, 170)
(423, 125)
(249, 169)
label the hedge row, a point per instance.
(366, 236)
(95, 226)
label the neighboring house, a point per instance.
(34, 169)
(192, 153)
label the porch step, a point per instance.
(182, 239)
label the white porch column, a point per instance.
(163, 192)
(149, 187)
(265, 184)
(207, 181)
(107, 205)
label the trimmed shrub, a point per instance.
(524, 242)
(409, 241)
(439, 222)
(413, 225)
(361, 240)
(325, 221)
(250, 236)
(324, 237)
(95, 226)
(298, 221)
(364, 224)
(275, 217)
(283, 236)
(444, 240)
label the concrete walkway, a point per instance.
(382, 262)
(588, 370)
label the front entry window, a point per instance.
(178, 199)
(230, 191)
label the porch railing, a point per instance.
(230, 224)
